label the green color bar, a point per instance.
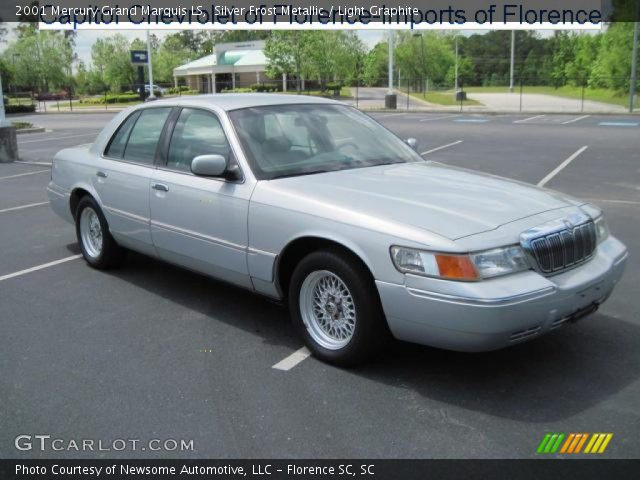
(543, 443)
(558, 442)
(551, 442)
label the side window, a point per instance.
(119, 140)
(145, 134)
(196, 133)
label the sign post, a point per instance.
(140, 58)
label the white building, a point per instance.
(233, 65)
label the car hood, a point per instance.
(448, 201)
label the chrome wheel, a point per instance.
(327, 309)
(91, 232)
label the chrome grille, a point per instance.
(564, 249)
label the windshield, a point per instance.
(289, 140)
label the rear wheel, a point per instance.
(335, 306)
(96, 243)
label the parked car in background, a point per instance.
(61, 95)
(313, 203)
(157, 90)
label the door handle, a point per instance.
(160, 186)
(101, 174)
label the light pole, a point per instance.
(13, 58)
(513, 56)
(390, 99)
(455, 88)
(424, 62)
(152, 95)
(634, 59)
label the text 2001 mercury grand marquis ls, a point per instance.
(311, 201)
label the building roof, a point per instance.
(227, 60)
(235, 101)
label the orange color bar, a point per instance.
(567, 443)
(581, 443)
(574, 443)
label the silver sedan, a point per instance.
(312, 202)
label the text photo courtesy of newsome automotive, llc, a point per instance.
(315, 240)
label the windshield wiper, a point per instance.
(300, 174)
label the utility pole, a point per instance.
(152, 95)
(513, 57)
(634, 59)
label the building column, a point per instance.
(233, 80)
(257, 77)
(284, 82)
(213, 83)
(175, 81)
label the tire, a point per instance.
(97, 245)
(335, 306)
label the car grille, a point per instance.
(564, 249)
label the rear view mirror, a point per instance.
(209, 165)
(412, 142)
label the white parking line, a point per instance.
(431, 119)
(23, 206)
(441, 147)
(573, 120)
(23, 174)
(530, 118)
(39, 267)
(559, 168)
(292, 360)
(387, 115)
(620, 202)
(58, 138)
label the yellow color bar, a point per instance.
(591, 442)
(596, 445)
(607, 439)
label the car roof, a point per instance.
(235, 101)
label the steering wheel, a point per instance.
(349, 144)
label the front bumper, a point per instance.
(492, 314)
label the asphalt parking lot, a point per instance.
(152, 351)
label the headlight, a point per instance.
(602, 229)
(469, 267)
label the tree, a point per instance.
(376, 64)
(288, 52)
(40, 60)
(112, 59)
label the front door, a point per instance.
(200, 222)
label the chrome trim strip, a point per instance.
(198, 236)
(255, 251)
(130, 216)
(483, 302)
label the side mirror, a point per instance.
(209, 165)
(412, 142)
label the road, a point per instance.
(152, 351)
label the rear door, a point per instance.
(200, 222)
(123, 177)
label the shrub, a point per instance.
(19, 108)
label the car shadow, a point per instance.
(549, 379)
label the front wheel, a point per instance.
(98, 247)
(335, 305)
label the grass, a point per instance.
(594, 94)
(21, 125)
(443, 98)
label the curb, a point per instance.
(27, 131)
